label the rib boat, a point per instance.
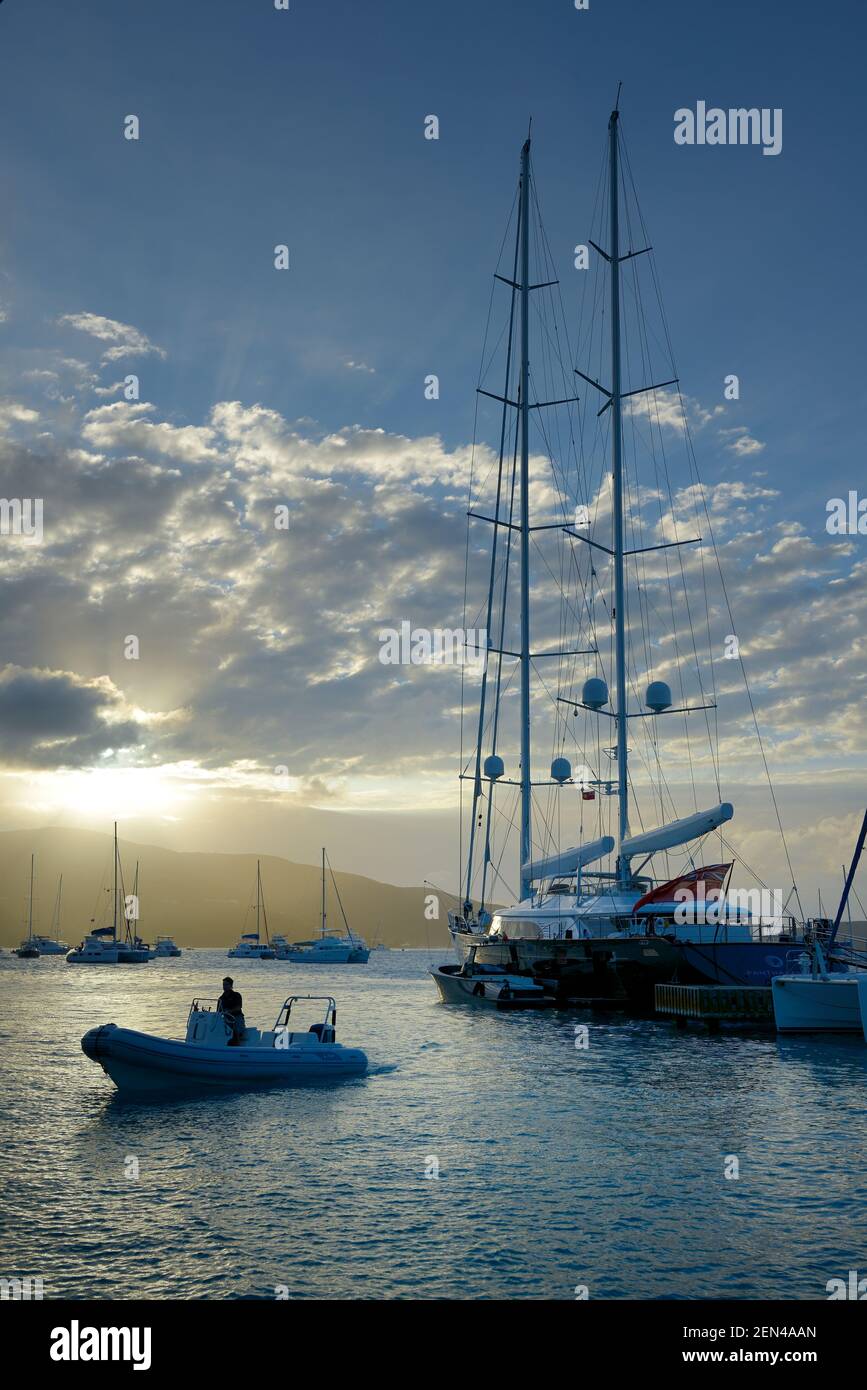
(210, 1055)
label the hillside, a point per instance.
(200, 899)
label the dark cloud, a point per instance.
(53, 719)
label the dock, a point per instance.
(716, 1005)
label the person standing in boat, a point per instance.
(229, 1003)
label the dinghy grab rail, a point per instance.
(326, 999)
(204, 1006)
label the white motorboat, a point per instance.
(211, 1055)
(487, 986)
(815, 1003)
(165, 946)
(329, 948)
(251, 946)
(828, 994)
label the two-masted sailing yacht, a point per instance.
(613, 877)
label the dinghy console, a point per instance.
(208, 1027)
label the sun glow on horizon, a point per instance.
(103, 793)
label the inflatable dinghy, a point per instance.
(214, 1054)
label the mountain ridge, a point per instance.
(198, 897)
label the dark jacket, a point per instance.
(229, 1002)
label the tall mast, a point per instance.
(617, 481)
(30, 906)
(322, 928)
(258, 896)
(114, 888)
(526, 784)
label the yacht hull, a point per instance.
(618, 970)
(811, 1004)
(484, 991)
(142, 1063)
(736, 962)
(357, 957)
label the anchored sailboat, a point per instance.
(52, 945)
(29, 949)
(251, 946)
(329, 948)
(581, 928)
(102, 945)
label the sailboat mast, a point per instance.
(30, 907)
(258, 896)
(114, 887)
(322, 928)
(524, 404)
(617, 484)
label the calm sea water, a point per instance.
(557, 1167)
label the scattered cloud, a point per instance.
(125, 340)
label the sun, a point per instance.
(102, 794)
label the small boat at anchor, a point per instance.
(489, 986)
(99, 948)
(251, 946)
(29, 949)
(328, 948)
(829, 994)
(211, 1056)
(165, 946)
(52, 945)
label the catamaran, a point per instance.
(605, 912)
(251, 946)
(102, 945)
(328, 948)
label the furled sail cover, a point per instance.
(678, 831)
(569, 860)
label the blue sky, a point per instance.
(305, 127)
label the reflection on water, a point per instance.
(558, 1166)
